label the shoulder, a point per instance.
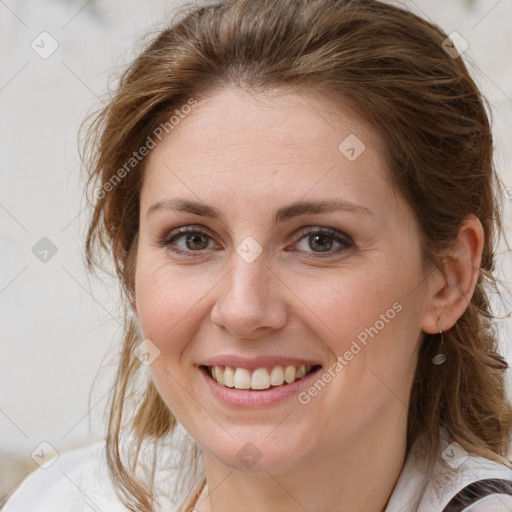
(453, 472)
(495, 503)
(484, 495)
(77, 480)
(462, 485)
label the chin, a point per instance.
(254, 452)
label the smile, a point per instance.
(259, 378)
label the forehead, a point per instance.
(295, 121)
(241, 146)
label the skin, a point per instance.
(248, 155)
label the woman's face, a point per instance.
(300, 254)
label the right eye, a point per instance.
(193, 240)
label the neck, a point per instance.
(358, 476)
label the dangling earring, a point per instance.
(439, 358)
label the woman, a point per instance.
(300, 201)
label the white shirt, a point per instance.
(79, 481)
(454, 470)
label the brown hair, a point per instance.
(390, 66)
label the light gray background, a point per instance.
(57, 327)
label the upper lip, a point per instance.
(256, 362)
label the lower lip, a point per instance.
(259, 398)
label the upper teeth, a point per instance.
(241, 378)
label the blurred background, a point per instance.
(60, 330)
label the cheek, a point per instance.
(371, 326)
(169, 302)
(371, 318)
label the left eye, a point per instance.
(320, 240)
(323, 240)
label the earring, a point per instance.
(439, 358)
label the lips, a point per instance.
(261, 373)
(243, 397)
(260, 378)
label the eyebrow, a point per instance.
(284, 213)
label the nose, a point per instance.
(249, 304)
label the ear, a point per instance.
(451, 291)
(134, 307)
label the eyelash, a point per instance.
(342, 239)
